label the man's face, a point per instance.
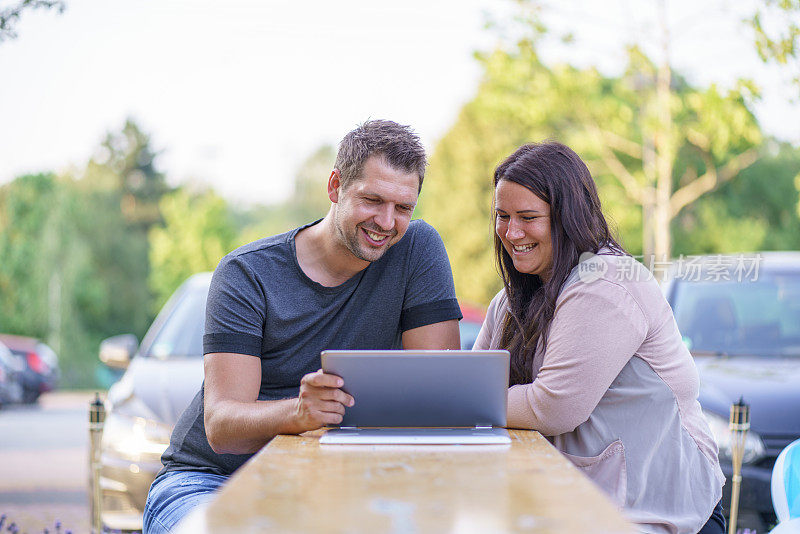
(373, 211)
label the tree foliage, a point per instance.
(617, 126)
(75, 263)
(69, 274)
(776, 31)
(9, 17)
(124, 165)
(199, 228)
(754, 212)
(26, 212)
(197, 232)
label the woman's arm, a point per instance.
(596, 329)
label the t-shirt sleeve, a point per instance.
(234, 310)
(596, 329)
(430, 295)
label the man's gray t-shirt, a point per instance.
(262, 304)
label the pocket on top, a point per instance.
(608, 470)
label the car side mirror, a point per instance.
(117, 351)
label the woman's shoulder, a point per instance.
(489, 336)
(618, 280)
(634, 277)
(610, 269)
(497, 309)
(498, 303)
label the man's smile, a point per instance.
(374, 238)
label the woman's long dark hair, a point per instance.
(557, 175)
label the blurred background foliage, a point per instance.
(681, 169)
(97, 251)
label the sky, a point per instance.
(236, 94)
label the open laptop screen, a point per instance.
(397, 388)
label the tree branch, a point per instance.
(622, 144)
(689, 176)
(632, 187)
(10, 15)
(710, 180)
(699, 140)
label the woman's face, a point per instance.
(522, 222)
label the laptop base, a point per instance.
(415, 436)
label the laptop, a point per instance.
(437, 397)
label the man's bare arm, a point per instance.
(436, 336)
(237, 423)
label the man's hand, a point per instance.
(321, 401)
(238, 423)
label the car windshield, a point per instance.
(182, 332)
(756, 317)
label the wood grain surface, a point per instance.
(297, 485)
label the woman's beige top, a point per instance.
(616, 392)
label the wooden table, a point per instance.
(297, 485)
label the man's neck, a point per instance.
(322, 257)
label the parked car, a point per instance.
(10, 377)
(39, 362)
(740, 318)
(161, 377)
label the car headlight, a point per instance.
(753, 446)
(134, 437)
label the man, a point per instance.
(364, 277)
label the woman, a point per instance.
(597, 363)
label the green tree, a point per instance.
(75, 263)
(49, 285)
(197, 232)
(456, 197)
(776, 32)
(123, 186)
(26, 211)
(683, 143)
(125, 165)
(754, 212)
(655, 145)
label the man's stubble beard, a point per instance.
(352, 243)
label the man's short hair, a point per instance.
(399, 146)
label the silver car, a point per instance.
(161, 377)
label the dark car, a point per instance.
(740, 318)
(161, 377)
(39, 362)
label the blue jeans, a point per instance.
(174, 494)
(716, 523)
